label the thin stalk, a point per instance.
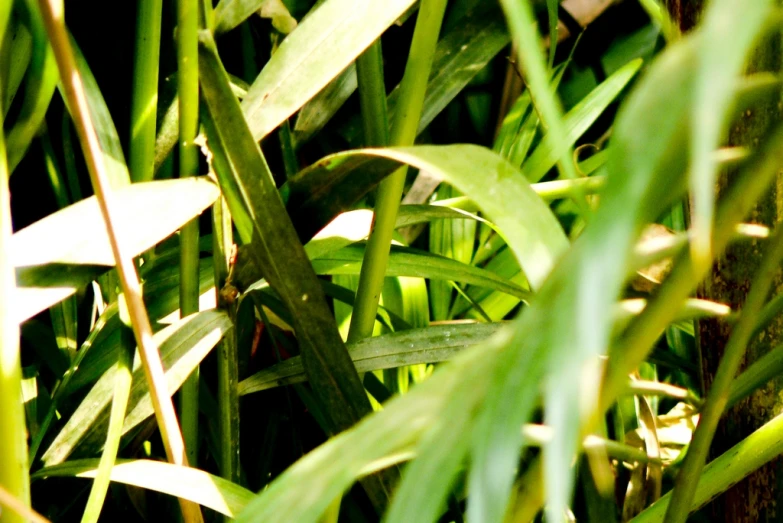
(144, 106)
(187, 89)
(372, 96)
(14, 477)
(227, 356)
(119, 405)
(687, 479)
(403, 132)
(73, 88)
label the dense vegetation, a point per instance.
(467, 281)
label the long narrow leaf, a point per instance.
(63, 252)
(183, 482)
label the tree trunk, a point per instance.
(757, 497)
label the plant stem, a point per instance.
(144, 105)
(13, 444)
(187, 89)
(403, 132)
(73, 88)
(688, 477)
(228, 364)
(372, 96)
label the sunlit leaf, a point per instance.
(66, 250)
(183, 482)
(321, 47)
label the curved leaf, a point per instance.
(405, 261)
(531, 230)
(183, 482)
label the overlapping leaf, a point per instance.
(66, 250)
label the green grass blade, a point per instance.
(122, 386)
(42, 78)
(183, 346)
(52, 261)
(322, 46)
(406, 261)
(183, 482)
(580, 118)
(502, 186)
(276, 249)
(423, 345)
(263, 224)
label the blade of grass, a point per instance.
(13, 437)
(186, 483)
(187, 90)
(73, 88)
(424, 345)
(406, 261)
(42, 79)
(56, 256)
(122, 386)
(183, 345)
(264, 225)
(322, 46)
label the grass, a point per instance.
(435, 305)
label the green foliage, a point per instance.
(528, 272)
